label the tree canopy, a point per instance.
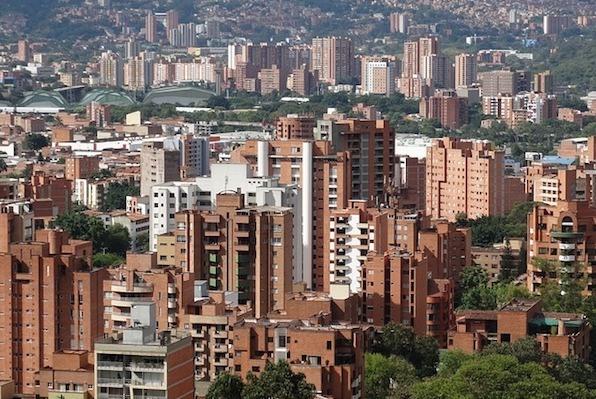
(277, 381)
(117, 193)
(399, 340)
(35, 141)
(114, 239)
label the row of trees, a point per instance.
(503, 370)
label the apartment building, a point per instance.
(446, 107)
(323, 176)
(51, 300)
(330, 355)
(400, 287)
(141, 281)
(81, 167)
(466, 69)
(158, 165)
(210, 320)
(238, 248)
(465, 177)
(333, 59)
(201, 194)
(561, 242)
(71, 375)
(566, 334)
(139, 362)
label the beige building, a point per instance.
(464, 177)
(158, 165)
(465, 69)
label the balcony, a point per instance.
(211, 233)
(566, 234)
(105, 365)
(127, 301)
(111, 382)
(23, 276)
(220, 348)
(171, 318)
(199, 347)
(121, 286)
(172, 303)
(212, 246)
(146, 383)
(222, 361)
(566, 246)
(199, 361)
(220, 334)
(567, 258)
(243, 271)
(241, 247)
(120, 316)
(140, 366)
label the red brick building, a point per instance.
(566, 334)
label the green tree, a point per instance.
(102, 174)
(225, 386)
(589, 130)
(451, 361)
(35, 141)
(217, 102)
(142, 242)
(399, 340)
(101, 260)
(117, 239)
(508, 271)
(117, 193)
(278, 381)
(499, 377)
(479, 298)
(388, 377)
(472, 277)
(525, 350)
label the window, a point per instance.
(329, 345)
(180, 238)
(505, 337)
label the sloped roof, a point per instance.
(185, 95)
(43, 99)
(107, 96)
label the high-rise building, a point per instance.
(333, 58)
(371, 144)
(555, 24)
(24, 51)
(523, 107)
(323, 176)
(138, 73)
(131, 49)
(544, 82)
(503, 82)
(111, 69)
(172, 19)
(151, 27)
(399, 22)
(378, 75)
(464, 177)
(465, 69)
(447, 108)
(439, 69)
(52, 301)
(273, 79)
(100, 114)
(158, 165)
